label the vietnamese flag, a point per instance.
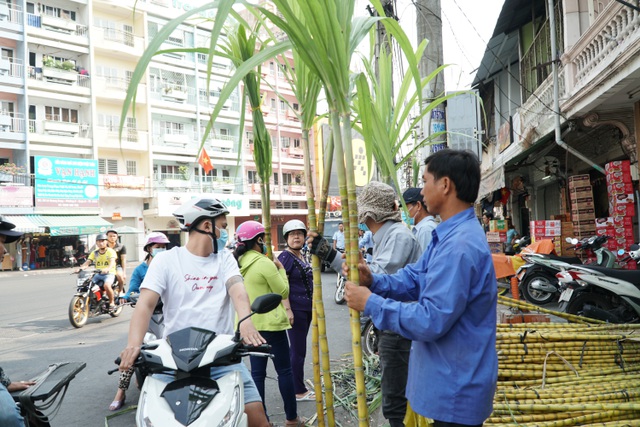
(205, 161)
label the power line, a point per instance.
(506, 68)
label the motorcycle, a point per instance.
(154, 332)
(608, 294)
(537, 278)
(338, 297)
(191, 397)
(49, 389)
(91, 300)
(369, 334)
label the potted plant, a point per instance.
(184, 171)
(48, 61)
(7, 170)
(68, 66)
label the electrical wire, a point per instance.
(505, 68)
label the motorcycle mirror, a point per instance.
(634, 247)
(573, 241)
(620, 252)
(266, 303)
(263, 304)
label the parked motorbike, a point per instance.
(192, 398)
(46, 394)
(69, 261)
(608, 294)
(537, 278)
(338, 297)
(91, 300)
(369, 334)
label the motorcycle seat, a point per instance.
(567, 259)
(631, 276)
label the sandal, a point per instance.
(309, 395)
(116, 404)
(298, 422)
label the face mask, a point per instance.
(156, 251)
(264, 249)
(224, 237)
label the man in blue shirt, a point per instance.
(338, 238)
(453, 366)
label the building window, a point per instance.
(272, 68)
(287, 178)
(285, 141)
(275, 178)
(273, 104)
(59, 13)
(108, 166)
(296, 106)
(225, 173)
(132, 167)
(252, 177)
(59, 114)
(283, 106)
(255, 204)
(296, 142)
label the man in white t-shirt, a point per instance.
(200, 284)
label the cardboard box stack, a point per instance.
(621, 205)
(547, 230)
(582, 206)
(497, 235)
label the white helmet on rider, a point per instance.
(191, 212)
(294, 224)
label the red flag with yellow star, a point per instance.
(205, 161)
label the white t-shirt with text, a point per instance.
(193, 289)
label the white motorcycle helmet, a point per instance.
(194, 210)
(294, 224)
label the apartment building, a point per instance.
(64, 73)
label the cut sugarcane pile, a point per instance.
(553, 375)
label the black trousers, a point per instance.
(394, 353)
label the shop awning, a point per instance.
(24, 224)
(71, 225)
(491, 181)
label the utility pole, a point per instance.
(429, 26)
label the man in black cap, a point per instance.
(7, 235)
(422, 220)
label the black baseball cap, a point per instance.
(412, 195)
(6, 229)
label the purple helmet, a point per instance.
(248, 230)
(156, 237)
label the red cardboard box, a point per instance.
(621, 198)
(620, 188)
(622, 221)
(605, 231)
(624, 232)
(496, 237)
(618, 166)
(623, 209)
(618, 177)
(604, 222)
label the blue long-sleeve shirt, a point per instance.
(453, 366)
(136, 279)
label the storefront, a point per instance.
(49, 239)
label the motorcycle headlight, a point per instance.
(231, 417)
(143, 417)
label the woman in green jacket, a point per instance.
(263, 276)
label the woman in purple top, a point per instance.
(300, 297)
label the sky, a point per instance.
(467, 26)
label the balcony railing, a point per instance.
(12, 12)
(612, 34)
(58, 25)
(11, 68)
(12, 122)
(212, 184)
(59, 76)
(60, 128)
(122, 37)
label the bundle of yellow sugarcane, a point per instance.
(559, 374)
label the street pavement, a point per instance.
(35, 332)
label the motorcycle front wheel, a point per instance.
(535, 296)
(79, 311)
(118, 310)
(369, 340)
(339, 295)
